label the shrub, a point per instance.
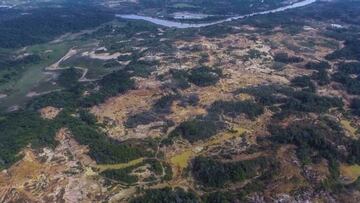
(121, 175)
(234, 108)
(166, 195)
(69, 77)
(285, 58)
(323, 137)
(204, 76)
(322, 77)
(355, 106)
(318, 65)
(351, 51)
(350, 68)
(197, 129)
(304, 82)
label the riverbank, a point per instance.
(176, 24)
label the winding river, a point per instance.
(175, 24)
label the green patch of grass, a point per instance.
(350, 171)
(33, 75)
(103, 167)
(95, 67)
(347, 125)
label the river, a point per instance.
(175, 24)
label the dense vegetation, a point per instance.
(110, 85)
(303, 82)
(200, 76)
(121, 175)
(57, 99)
(345, 11)
(83, 126)
(24, 127)
(167, 195)
(69, 78)
(345, 75)
(204, 76)
(322, 77)
(142, 68)
(351, 51)
(102, 148)
(180, 78)
(292, 101)
(163, 105)
(320, 139)
(285, 58)
(197, 129)
(44, 24)
(18, 130)
(160, 109)
(322, 65)
(212, 173)
(323, 137)
(349, 68)
(355, 106)
(220, 197)
(267, 94)
(298, 112)
(206, 126)
(11, 67)
(309, 102)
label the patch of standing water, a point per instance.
(169, 23)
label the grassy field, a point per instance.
(33, 75)
(347, 126)
(352, 172)
(181, 161)
(105, 167)
(95, 67)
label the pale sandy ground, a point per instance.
(102, 56)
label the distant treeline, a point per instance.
(44, 24)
